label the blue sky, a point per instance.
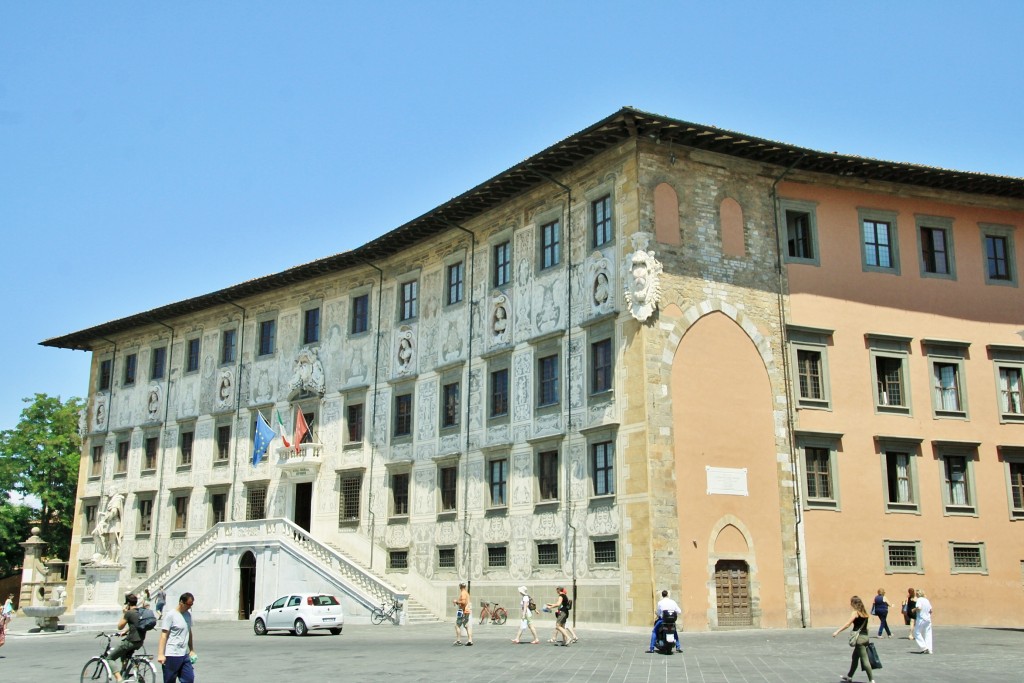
(150, 152)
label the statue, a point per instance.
(642, 275)
(107, 532)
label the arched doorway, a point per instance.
(246, 585)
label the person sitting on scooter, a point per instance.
(666, 604)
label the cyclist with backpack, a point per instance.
(136, 623)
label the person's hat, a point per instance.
(522, 590)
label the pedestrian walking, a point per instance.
(526, 621)
(161, 601)
(562, 605)
(909, 605)
(145, 600)
(463, 615)
(6, 614)
(923, 623)
(858, 640)
(177, 652)
(880, 608)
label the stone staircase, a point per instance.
(415, 612)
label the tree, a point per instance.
(40, 463)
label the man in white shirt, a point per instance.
(666, 604)
(176, 651)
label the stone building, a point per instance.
(654, 355)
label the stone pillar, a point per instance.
(33, 572)
(103, 600)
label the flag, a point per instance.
(301, 428)
(280, 428)
(264, 435)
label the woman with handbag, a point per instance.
(858, 640)
(880, 608)
(909, 605)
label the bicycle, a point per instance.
(140, 666)
(497, 614)
(379, 614)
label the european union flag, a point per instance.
(264, 435)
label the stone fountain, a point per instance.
(40, 575)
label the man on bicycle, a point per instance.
(133, 637)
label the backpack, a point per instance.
(147, 620)
(532, 606)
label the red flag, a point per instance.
(301, 428)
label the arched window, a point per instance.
(731, 217)
(666, 215)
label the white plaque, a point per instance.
(727, 481)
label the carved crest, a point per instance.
(641, 278)
(307, 372)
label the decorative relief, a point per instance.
(475, 484)
(642, 278)
(521, 433)
(401, 452)
(498, 434)
(501, 325)
(577, 458)
(549, 313)
(425, 452)
(599, 269)
(426, 409)
(545, 526)
(602, 522)
(99, 413)
(496, 529)
(451, 443)
(444, 533)
(225, 395)
(521, 366)
(524, 278)
(522, 483)
(475, 406)
(544, 425)
(154, 402)
(397, 536)
(451, 350)
(330, 354)
(263, 391)
(307, 372)
(576, 372)
(357, 370)
(424, 492)
(405, 354)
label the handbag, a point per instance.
(872, 608)
(875, 662)
(856, 636)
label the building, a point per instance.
(654, 355)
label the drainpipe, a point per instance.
(373, 413)
(163, 447)
(238, 406)
(787, 378)
(467, 537)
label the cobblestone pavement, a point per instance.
(229, 651)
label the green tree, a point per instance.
(40, 463)
(15, 522)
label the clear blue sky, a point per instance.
(150, 152)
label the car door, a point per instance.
(274, 614)
(291, 611)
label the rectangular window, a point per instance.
(403, 415)
(497, 556)
(819, 474)
(185, 452)
(360, 313)
(547, 554)
(499, 393)
(547, 389)
(106, 369)
(947, 389)
(497, 481)
(967, 558)
(502, 264)
(809, 353)
(398, 559)
(550, 244)
(152, 446)
(1015, 481)
(601, 220)
(899, 477)
(256, 502)
(547, 475)
(223, 442)
(355, 422)
(446, 558)
(998, 244)
(131, 364)
(400, 493)
(348, 501)
(878, 248)
(181, 512)
(159, 363)
(218, 507)
(410, 300)
(449, 488)
(311, 326)
(602, 465)
(450, 405)
(601, 366)
(799, 237)
(145, 506)
(934, 251)
(88, 518)
(268, 334)
(1010, 380)
(228, 346)
(122, 457)
(140, 566)
(456, 279)
(192, 355)
(958, 487)
(605, 552)
(903, 557)
(890, 378)
(96, 466)
(809, 373)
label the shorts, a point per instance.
(461, 618)
(561, 618)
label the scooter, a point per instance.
(665, 640)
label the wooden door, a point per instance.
(732, 593)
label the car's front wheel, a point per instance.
(300, 627)
(259, 627)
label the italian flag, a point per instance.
(280, 428)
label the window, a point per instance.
(409, 306)
(1010, 380)
(449, 487)
(967, 558)
(1015, 483)
(140, 566)
(799, 236)
(122, 457)
(602, 467)
(131, 364)
(456, 279)
(497, 481)
(601, 220)
(903, 557)
(890, 382)
(450, 405)
(879, 251)
(145, 508)
(998, 245)
(605, 552)
(497, 556)
(218, 507)
(502, 264)
(89, 517)
(889, 373)
(311, 325)
(547, 554)
(900, 478)
(228, 346)
(348, 501)
(446, 558)
(935, 241)
(601, 366)
(398, 559)
(268, 334)
(185, 448)
(946, 360)
(360, 314)
(403, 415)
(400, 494)
(106, 368)
(192, 355)
(958, 484)
(223, 442)
(550, 244)
(547, 380)
(499, 393)
(180, 512)
(819, 474)
(159, 363)
(256, 502)
(96, 465)
(152, 446)
(355, 422)
(810, 375)
(547, 475)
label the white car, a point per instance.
(300, 613)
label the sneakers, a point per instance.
(845, 679)
(457, 642)
(468, 643)
(650, 652)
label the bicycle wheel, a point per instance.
(96, 669)
(500, 615)
(145, 671)
(377, 615)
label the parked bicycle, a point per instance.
(496, 613)
(140, 665)
(379, 614)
